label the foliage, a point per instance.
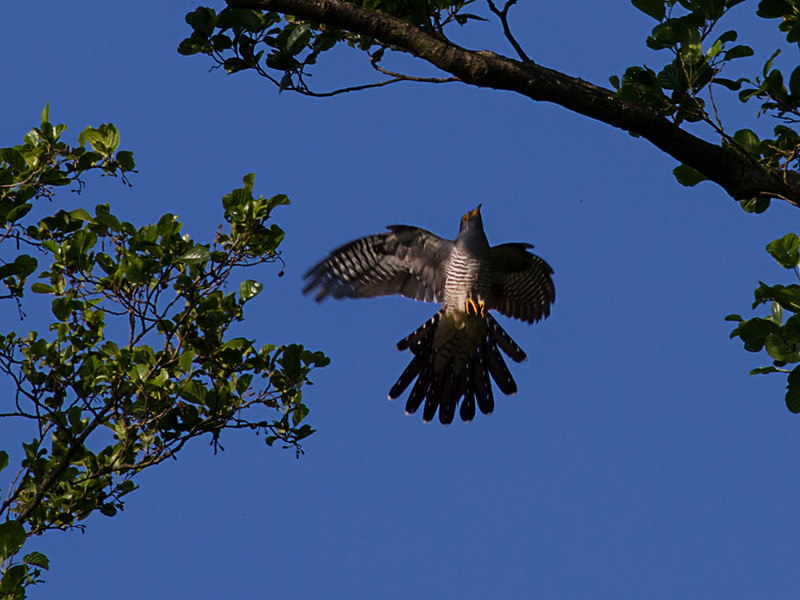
(684, 88)
(780, 339)
(283, 49)
(139, 357)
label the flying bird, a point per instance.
(456, 353)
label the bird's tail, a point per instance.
(444, 376)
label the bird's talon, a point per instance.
(473, 308)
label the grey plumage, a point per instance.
(456, 353)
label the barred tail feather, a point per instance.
(467, 412)
(406, 377)
(469, 383)
(413, 339)
(498, 368)
(435, 394)
(504, 341)
(418, 393)
(483, 385)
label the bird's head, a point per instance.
(472, 220)
(471, 237)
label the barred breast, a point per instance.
(467, 277)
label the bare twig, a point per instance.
(503, 16)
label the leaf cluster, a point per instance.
(283, 49)
(684, 88)
(139, 357)
(778, 337)
(32, 170)
(684, 28)
(240, 39)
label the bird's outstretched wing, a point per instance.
(406, 261)
(521, 284)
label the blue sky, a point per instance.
(638, 458)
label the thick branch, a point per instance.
(740, 177)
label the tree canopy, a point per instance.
(138, 360)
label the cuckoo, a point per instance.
(456, 354)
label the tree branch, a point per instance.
(740, 177)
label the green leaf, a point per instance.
(754, 333)
(768, 64)
(278, 200)
(46, 113)
(196, 255)
(794, 34)
(237, 17)
(793, 391)
(81, 215)
(740, 51)
(748, 141)
(42, 288)
(299, 37)
(729, 36)
(22, 266)
(234, 65)
(787, 295)
(785, 250)
(712, 9)
(794, 82)
(773, 9)
(671, 77)
(12, 538)
(16, 213)
(202, 20)
(249, 289)
(728, 83)
(668, 33)
(3, 459)
(185, 361)
(781, 349)
(746, 94)
(755, 205)
(26, 264)
(125, 160)
(652, 8)
(37, 559)
(777, 313)
(688, 176)
(764, 370)
(299, 413)
(14, 158)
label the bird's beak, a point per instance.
(474, 213)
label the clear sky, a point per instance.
(638, 460)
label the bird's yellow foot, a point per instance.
(473, 308)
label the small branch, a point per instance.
(402, 77)
(347, 90)
(503, 16)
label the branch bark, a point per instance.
(739, 177)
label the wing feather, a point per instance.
(522, 286)
(406, 260)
